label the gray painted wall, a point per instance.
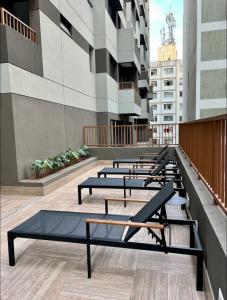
(212, 226)
(106, 153)
(103, 118)
(42, 129)
(190, 59)
(8, 165)
(19, 51)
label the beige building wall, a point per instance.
(167, 52)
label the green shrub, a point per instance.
(59, 161)
(39, 166)
(83, 151)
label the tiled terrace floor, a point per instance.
(53, 270)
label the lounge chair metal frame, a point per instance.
(160, 179)
(139, 170)
(156, 160)
(159, 223)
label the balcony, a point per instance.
(143, 81)
(7, 19)
(128, 51)
(129, 99)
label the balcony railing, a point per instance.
(6, 18)
(127, 85)
(130, 135)
(204, 144)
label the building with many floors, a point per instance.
(166, 104)
(64, 65)
(205, 63)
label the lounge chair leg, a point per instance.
(192, 238)
(130, 192)
(11, 250)
(125, 204)
(88, 251)
(90, 191)
(79, 195)
(199, 278)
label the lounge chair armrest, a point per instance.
(145, 177)
(147, 163)
(126, 200)
(141, 165)
(149, 155)
(125, 223)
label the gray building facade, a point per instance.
(65, 65)
(205, 58)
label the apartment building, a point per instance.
(205, 63)
(166, 104)
(64, 65)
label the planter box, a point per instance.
(50, 183)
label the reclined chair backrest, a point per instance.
(163, 149)
(157, 171)
(160, 153)
(150, 208)
(162, 156)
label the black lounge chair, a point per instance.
(156, 160)
(110, 230)
(129, 182)
(159, 169)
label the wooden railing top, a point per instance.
(215, 118)
(6, 18)
(131, 125)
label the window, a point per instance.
(167, 106)
(154, 96)
(113, 68)
(168, 118)
(180, 118)
(91, 58)
(65, 25)
(155, 119)
(168, 70)
(181, 81)
(154, 107)
(168, 94)
(181, 93)
(168, 82)
(154, 130)
(154, 72)
(112, 12)
(154, 83)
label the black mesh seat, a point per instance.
(70, 225)
(94, 182)
(126, 171)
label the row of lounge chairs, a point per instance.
(116, 230)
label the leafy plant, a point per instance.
(72, 155)
(59, 161)
(41, 165)
(83, 151)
